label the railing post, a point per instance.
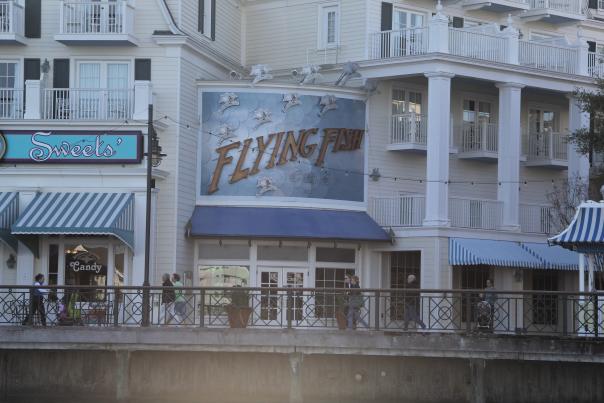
(116, 307)
(564, 315)
(33, 99)
(142, 99)
(377, 310)
(512, 36)
(289, 307)
(468, 297)
(596, 316)
(202, 307)
(582, 55)
(438, 32)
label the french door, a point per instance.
(103, 90)
(278, 308)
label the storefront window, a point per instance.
(85, 265)
(326, 303)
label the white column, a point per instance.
(33, 99)
(438, 32)
(508, 167)
(512, 35)
(143, 97)
(437, 170)
(25, 258)
(138, 253)
(578, 164)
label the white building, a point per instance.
(467, 112)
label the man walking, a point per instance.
(412, 305)
(36, 304)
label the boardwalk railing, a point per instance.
(463, 311)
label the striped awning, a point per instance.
(9, 211)
(79, 214)
(585, 233)
(553, 257)
(476, 252)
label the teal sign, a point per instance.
(66, 146)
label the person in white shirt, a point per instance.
(37, 302)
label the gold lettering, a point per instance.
(306, 150)
(271, 162)
(329, 136)
(341, 141)
(290, 146)
(357, 139)
(223, 159)
(239, 173)
(262, 146)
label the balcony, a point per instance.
(402, 211)
(477, 141)
(407, 42)
(97, 23)
(537, 219)
(546, 149)
(547, 56)
(11, 103)
(496, 6)
(12, 23)
(88, 104)
(556, 11)
(409, 132)
(475, 213)
(598, 12)
(596, 64)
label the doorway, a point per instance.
(278, 308)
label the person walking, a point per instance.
(180, 305)
(168, 297)
(490, 297)
(411, 303)
(355, 303)
(36, 304)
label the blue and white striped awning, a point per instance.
(553, 257)
(477, 252)
(79, 214)
(585, 233)
(9, 211)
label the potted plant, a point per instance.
(239, 310)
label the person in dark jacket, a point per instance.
(355, 303)
(36, 304)
(167, 300)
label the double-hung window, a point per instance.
(329, 26)
(10, 96)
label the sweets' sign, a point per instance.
(266, 144)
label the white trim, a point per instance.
(323, 25)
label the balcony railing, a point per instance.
(477, 137)
(537, 219)
(545, 56)
(11, 18)
(407, 42)
(88, 104)
(565, 6)
(402, 211)
(409, 128)
(98, 17)
(522, 313)
(596, 64)
(477, 45)
(11, 103)
(475, 213)
(546, 146)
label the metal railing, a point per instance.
(440, 311)
(476, 137)
(11, 103)
(544, 146)
(537, 219)
(475, 213)
(565, 6)
(545, 56)
(98, 17)
(477, 45)
(88, 104)
(11, 18)
(407, 42)
(402, 211)
(409, 128)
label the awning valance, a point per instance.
(553, 257)
(9, 211)
(79, 214)
(585, 233)
(475, 252)
(284, 223)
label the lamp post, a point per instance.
(154, 158)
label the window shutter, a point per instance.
(142, 69)
(33, 18)
(31, 69)
(457, 22)
(213, 28)
(386, 16)
(592, 46)
(200, 10)
(593, 4)
(60, 78)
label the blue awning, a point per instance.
(283, 223)
(79, 214)
(553, 257)
(475, 252)
(9, 211)
(585, 233)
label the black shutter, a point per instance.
(142, 69)
(200, 11)
(592, 46)
(31, 69)
(33, 18)
(386, 16)
(457, 22)
(213, 22)
(593, 4)
(60, 77)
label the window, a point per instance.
(545, 307)
(104, 90)
(476, 133)
(10, 98)
(404, 101)
(86, 265)
(402, 265)
(473, 278)
(221, 276)
(329, 26)
(403, 19)
(326, 303)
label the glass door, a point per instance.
(277, 308)
(406, 38)
(542, 124)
